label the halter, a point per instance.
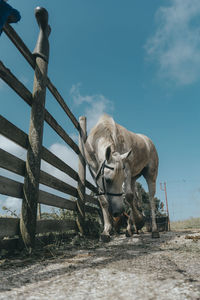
(101, 172)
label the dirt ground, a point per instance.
(125, 268)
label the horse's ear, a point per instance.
(125, 155)
(108, 154)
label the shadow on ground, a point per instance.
(81, 253)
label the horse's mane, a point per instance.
(105, 128)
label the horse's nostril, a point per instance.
(115, 215)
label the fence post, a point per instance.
(33, 162)
(82, 177)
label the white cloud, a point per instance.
(95, 105)
(68, 156)
(62, 151)
(96, 109)
(13, 204)
(12, 148)
(77, 97)
(65, 153)
(175, 46)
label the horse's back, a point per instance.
(108, 132)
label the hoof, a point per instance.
(105, 238)
(155, 235)
(128, 233)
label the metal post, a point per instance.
(32, 172)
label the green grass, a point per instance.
(191, 223)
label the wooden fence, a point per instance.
(28, 226)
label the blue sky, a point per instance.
(136, 60)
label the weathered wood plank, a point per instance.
(58, 163)
(13, 133)
(17, 41)
(62, 103)
(57, 201)
(52, 159)
(18, 136)
(15, 84)
(13, 188)
(60, 202)
(10, 187)
(26, 95)
(57, 184)
(91, 187)
(60, 131)
(9, 227)
(12, 163)
(16, 165)
(45, 226)
(12, 244)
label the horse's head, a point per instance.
(110, 178)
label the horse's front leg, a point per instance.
(105, 235)
(129, 195)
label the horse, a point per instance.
(117, 157)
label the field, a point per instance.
(191, 223)
(125, 268)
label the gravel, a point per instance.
(125, 268)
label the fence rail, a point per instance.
(28, 226)
(18, 136)
(161, 221)
(17, 41)
(26, 95)
(10, 226)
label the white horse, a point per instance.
(118, 158)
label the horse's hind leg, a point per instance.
(152, 190)
(136, 219)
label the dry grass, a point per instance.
(191, 223)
